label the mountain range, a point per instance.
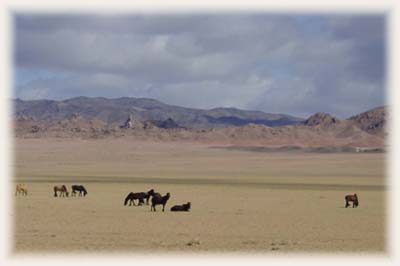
(113, 111)
(148, 119)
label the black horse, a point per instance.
(81, 189)
(181, 208)
(140, 196)
(157, 199)
(351, 198)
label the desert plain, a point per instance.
(242, 201)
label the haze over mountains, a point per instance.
(149, 119)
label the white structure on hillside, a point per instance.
(128, 123)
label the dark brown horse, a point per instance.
(82, 190)
(63, 191)
(181, 208)
(140, 196)
(351, 198)
(157, 199)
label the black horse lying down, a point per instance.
(181, 208)
(351, 198)
(79, 188)
(157, 199)
(140, 196)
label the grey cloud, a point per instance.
(296, 64)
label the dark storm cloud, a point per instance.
(293, 64)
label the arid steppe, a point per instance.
(242, 201)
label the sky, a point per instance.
(296, 64)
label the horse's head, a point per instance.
(151, 192)
(188, 205)
(85, 192)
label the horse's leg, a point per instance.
(55, 193)
(163, 207)
(347, 204)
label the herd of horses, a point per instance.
(63, 191)
(156, 198)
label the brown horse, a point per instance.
(63, 191)
(351, 198)
(157, 199)
(21, 189)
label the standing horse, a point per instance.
(21, 189)
(63, 191)
(138, 196)
(351, 198)
(79, 188)
(157, 199)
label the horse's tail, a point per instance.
(127, 199)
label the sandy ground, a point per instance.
(241, 201)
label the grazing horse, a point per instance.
(63, 191)
(351, 198)
(157, 199)
(138, 196)
(181, 208)
(21, 189)
(79, 188)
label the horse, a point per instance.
(157, 199)
(21, 189)
(63, 191)
(139, 196)
(79, 188)
(351, 198)
(181, 208)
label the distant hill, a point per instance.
(116, 111)
(372, 121)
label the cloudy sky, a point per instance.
(295, 64)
